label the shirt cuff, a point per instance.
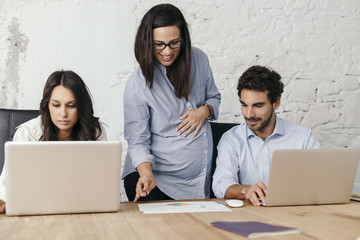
(221, 187)
(215, 106)
(139, 156)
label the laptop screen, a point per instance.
(313, 176)
(62, 177)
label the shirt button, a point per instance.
(204, 134)
(205, 151)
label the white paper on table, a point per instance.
(182, 207)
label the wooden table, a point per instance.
(340, 221)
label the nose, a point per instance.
(63, 112)
(250, 112)
(166, 50)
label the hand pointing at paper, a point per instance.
(146, 182)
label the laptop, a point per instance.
(62, 177)
(314, 176)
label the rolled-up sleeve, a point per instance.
(213, 95)
(136, 125)
(226, 173)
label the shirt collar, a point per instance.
(278, 130)
(158, 64)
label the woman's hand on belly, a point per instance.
(192, 120)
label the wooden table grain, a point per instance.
(341, 221)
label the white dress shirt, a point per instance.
(244, 158)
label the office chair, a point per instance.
(218, 129)
(9, 120)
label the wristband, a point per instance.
(211, 113)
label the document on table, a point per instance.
(182, 207)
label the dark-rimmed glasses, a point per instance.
(172, 45)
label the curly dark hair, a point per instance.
(262, 79)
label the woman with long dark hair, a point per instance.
(66, 114)
(168, 101)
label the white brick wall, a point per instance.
(314, 45)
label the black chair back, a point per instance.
(218, 129)
(9, 120)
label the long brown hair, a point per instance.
(87, 126)
(163, 15)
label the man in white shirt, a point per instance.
(244, 152)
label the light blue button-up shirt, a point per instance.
(181, 166)
(244, 158)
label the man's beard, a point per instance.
(264, 124)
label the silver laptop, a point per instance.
(317, 176)
(62, 177)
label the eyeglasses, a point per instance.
(172, 45)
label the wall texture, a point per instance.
(314, 45)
